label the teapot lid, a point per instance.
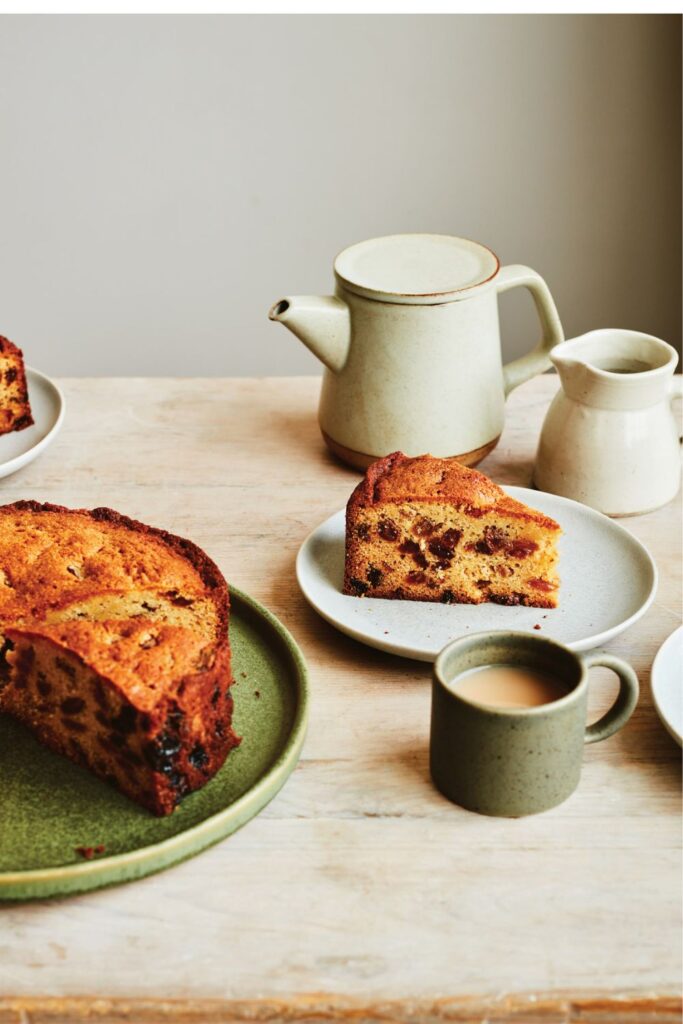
(415, 269)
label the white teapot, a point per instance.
(411, 346)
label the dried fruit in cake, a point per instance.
(429, 529)
(136, 701)
(15, 408)
(115, 648)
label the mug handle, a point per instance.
(624, 705)
(537, 361)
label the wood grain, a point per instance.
(359, 881)
(556, 1008)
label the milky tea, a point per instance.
(509, 686)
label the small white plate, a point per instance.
(667, 684)
(47, 405)
(608, 580)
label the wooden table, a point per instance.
(359, 893)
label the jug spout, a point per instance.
(322, 322)
(615, 369)
(566, 365)
(562, 361)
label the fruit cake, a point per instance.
(15, 408)
(115, 648)
(428, 529)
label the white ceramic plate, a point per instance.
(47, 405)
(608, 581)
(667, 684)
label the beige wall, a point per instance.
(163, 179)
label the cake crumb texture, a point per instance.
(15, 408)
(430, 529)
(115, 648)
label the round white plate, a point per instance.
(608, 580)
(667, 684)
(47, 405)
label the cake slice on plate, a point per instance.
(114, 648)
(428, 529)
(15, 408)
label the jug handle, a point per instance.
(538, 360)
(676, 391)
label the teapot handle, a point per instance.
(537, 361)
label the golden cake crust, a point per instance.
(424, 478)
(9, 348)
(116, 647)
(430, 529)
(133, 654)
(50, 554)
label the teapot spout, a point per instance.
(322, 322)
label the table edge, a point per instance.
(558, 1007)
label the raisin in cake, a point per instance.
(115, 648)
(428, 529)
(15, 409)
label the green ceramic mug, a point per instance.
(515, 761)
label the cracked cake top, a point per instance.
(424, 478)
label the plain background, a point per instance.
(164, 179)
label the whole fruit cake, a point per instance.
(115, 648)
(15, 409)
(428, 529)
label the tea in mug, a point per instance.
(509, 686)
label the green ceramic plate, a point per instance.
(49, 807)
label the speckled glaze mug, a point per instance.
(515, 761)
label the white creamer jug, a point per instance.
(610, 439)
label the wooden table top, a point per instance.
(359, 892)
